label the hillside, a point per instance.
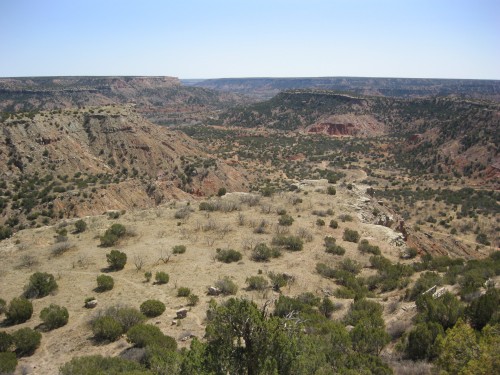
(265, 88)
(433, 134)
(85, 161)
(162, 99)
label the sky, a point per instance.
(251, 38)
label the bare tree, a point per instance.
(139, 262)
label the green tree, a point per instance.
(457, 348)
(26, 341)
(40, 285)
(488, 361)
(445, 310)
(241, 340)
(104, 283)
(221, 192)
(54, 316)
(485, 308)
(6, 341)
(116, 260)
(80, 226)
(8, 363)
(96, 364)
(152, 308)
(350, 235)
(19, 311)
(142, 335)
(112, 235)
(106, 328)
(420, 344)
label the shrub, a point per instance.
(116, 260)
(148, 275)
(285, 220)
(365, 247)
(256, 283)
(126, 316)
(325, 270)
(279, 280)
(350, 266)
(60, 248)
(206, 206)
(106, 328)
(334, 224)
(19, 311)
(96, 364)
(3, 306)
(26, 341)
(80, 226)
(143, 335)
(5, 232)
(193, 299)
(228, 255)
(104, 283)
(327, 307)
(292, 243)
(345, 217)
(152, 308)
(350, 235)
(179, 249)
(112, 235)
(183, 213)
(183, 292)
(40, 285)
(262, 253)
(226, 286)
(8, 363)
(483, 239)
(331, 190)
(425, 281)
(320, 222)
(222, 191)
(161, 277)
(6, 342)
(54, 316)
(331, 246)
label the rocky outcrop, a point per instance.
(347, 125)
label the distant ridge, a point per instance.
(265, 88)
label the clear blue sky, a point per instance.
(251, 38)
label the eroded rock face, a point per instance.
(333, 129)
(347, 125)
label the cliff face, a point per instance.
(347, 125)
(120, 159)
(155, 97)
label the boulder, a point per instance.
(181, 314)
